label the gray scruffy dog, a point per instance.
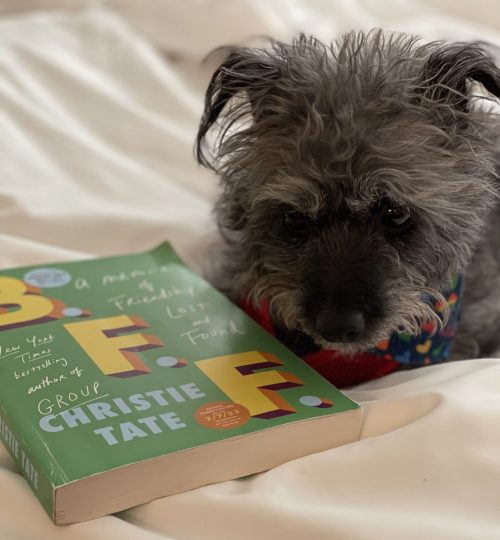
(358, 178)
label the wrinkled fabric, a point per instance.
(98, 114)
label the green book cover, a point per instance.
(127, 378)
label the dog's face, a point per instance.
(356, 179)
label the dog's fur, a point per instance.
(318, 146)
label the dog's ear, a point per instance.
(245, 70)
(449, 70)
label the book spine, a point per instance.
(28, 467)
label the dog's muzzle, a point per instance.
(344, 369)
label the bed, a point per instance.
(99, 105)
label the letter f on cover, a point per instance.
(112, 353)
(235, 375)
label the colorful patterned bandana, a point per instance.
(398, 350)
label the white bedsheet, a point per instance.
(96, 134)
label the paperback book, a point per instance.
(128, 378)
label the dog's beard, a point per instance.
(407, 311)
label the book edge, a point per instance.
(356, 407)
(283, 451)
(46, 491)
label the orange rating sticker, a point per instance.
(222, 415)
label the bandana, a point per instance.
(399, 350)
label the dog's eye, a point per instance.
(394, 216)
(295, 222)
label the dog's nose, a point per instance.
(341, 326)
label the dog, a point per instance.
(359, 178)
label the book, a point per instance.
(128, 378)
